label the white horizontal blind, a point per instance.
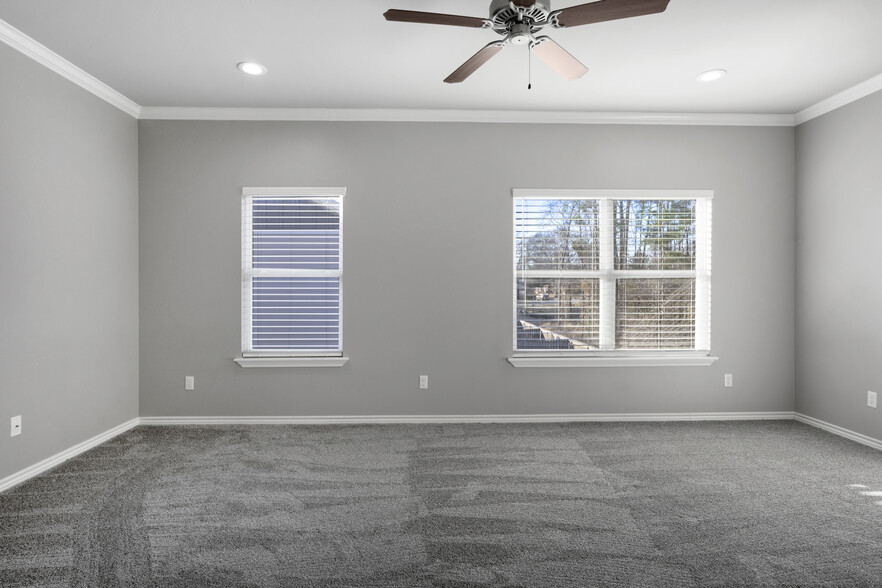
(292, 272)
(558, 257)
(609, 271)
(658, 236)
(655, 313)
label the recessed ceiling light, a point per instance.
(251, 68)
(711, 75)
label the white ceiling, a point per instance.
(782, 55)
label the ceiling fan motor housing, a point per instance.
(504, 17)
(519, 20)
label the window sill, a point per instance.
(613, 361)
(282, 362)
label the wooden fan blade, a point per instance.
(435, 18)
(474, 62)
(604, 10)
(558, 59)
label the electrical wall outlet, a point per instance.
(871, 399)
(15, 426)
(424, 382)
(189, 383)
(727, 380)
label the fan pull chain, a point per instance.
(529, 70)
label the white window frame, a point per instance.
(276, 358)
(607, 275)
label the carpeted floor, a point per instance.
(460, 506)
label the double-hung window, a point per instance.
(292, 276)
(612, 277)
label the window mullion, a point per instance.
(702, 274)
(607, 288)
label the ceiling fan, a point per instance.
(518, 20)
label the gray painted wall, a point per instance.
(839, 341)
(427, 264)
(69, 276)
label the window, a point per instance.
(291, 276)
(612, 274)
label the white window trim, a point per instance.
(631, 359)
(607, 356)
(281, 362)
(276, 359)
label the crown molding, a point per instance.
(466, 116)
(839, 100)
(46, 57)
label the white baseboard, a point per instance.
(51, 462)
(479, 418)
(58, 458)
(837, 430)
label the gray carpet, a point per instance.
(460, 506)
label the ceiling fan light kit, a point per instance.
(517, 21)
